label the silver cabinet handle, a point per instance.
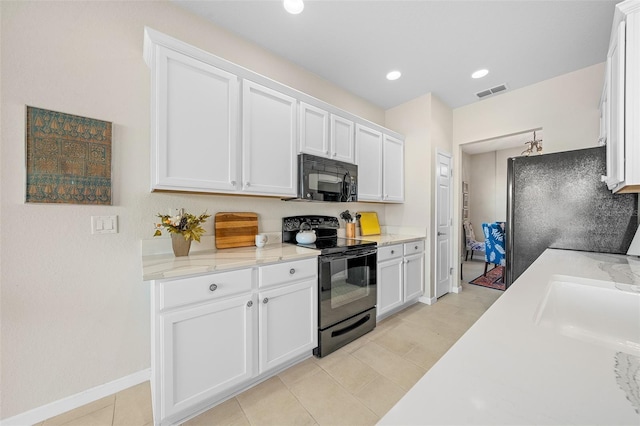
(247, 184)
(441, 233)
(407, 260)
(249, 304)
(265, 300)
(393, 251)
(416, 247)
(292, 271)
(233, 183)
(213, 287)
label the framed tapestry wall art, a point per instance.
(68, 158)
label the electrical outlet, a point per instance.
(104, 224)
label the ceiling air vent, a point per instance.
(488, 92)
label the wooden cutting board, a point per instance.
(369, 224)
(235, 229)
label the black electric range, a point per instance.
(347, 281)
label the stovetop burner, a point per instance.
(326, 227)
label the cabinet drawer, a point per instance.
(281, 273)
(413, 247)
(389, 252)
(207, 287)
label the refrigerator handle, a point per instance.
(509, 224)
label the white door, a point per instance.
(393, 169)
(369, 161)
(443, 224)
(268, 141)
(314, 130)
(389, 285)
(206, 350)
(342, 139)
(288, 323)
(413, 276)
(195, 116)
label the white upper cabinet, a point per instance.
(325, 134)
(314, 130)
(268, 141)
(380, 160)
(342, 139)
(621, 100)
(393, 170)
(195, 116)
(221, 128)
(369, 161)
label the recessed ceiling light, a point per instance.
(480, 73)
(393, 75)
(293, 6)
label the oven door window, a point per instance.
(347, 286)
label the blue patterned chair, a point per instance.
(494, 245)
(470, 239)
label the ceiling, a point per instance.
(435, 44)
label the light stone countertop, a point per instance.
(506, 369)
(389, 239)
(166, 265)
(162, 266)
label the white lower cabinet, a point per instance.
(400, 276)
(288, 328)
(413, 276)
(390, 285)
(206, 350)
(218, 334)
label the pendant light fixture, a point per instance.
(294, 7)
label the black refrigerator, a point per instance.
(559, 201)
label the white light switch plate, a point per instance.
(104, 224)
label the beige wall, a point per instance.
(74, 310)
(427, 124)
(566, 107)
(488, 187)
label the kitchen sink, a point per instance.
(599, 312)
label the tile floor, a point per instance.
(355, 385)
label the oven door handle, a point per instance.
(347, 255)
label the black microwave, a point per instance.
(323, 179)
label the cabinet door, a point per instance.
(615, 104)
(413, 276)
(268, 141)
(342, 136)
(393, 169)
(369, 161)
(205, 351)
(288, 323)
(314, 130)
(194, 125)
(389, 285)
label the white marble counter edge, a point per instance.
(167, 266)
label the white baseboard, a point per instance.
(428, 300)
(72, 402)
(456, 289)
